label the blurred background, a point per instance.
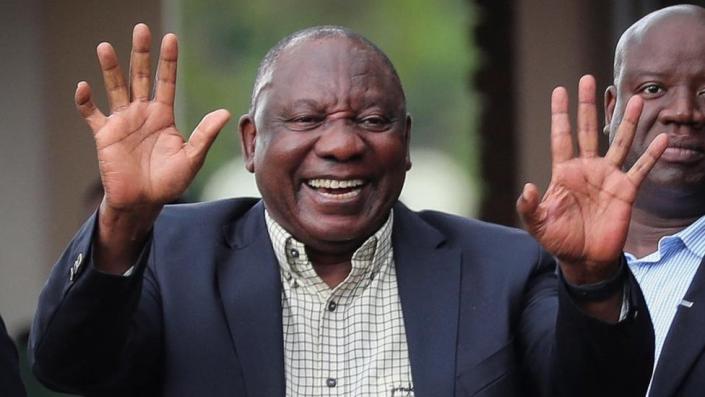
(478, 77)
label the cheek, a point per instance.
(390, 149)
(646, 130)
(391, 155)
(277, 162)
(282, 152)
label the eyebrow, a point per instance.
(642, 71)
(304, 102)
(630, 74)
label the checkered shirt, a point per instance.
(348, 340)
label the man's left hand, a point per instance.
(584, 216)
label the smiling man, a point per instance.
(329, 285)
(661, 58)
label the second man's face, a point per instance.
(665, 65)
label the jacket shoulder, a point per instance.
(201, 221)
(464, 232)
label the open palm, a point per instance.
(143, 159)
(584, 216)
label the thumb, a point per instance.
(204, 134)
(528, 208)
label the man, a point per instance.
(10, 381)
(662, 59)
(329, 286)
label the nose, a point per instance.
(685, 107)
(340, 141)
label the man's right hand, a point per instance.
(143, 159)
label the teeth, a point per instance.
(334, 183)
(341, 196)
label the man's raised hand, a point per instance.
(584, 216)
(143, 159)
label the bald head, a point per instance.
(267, 66)
(665, 18)
(661, 59)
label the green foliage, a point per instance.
(222, 43)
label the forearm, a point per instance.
(83, 326)
(595, 357)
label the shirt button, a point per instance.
(294, 253)
(331, 306)
(331, 382)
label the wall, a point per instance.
(47, 157)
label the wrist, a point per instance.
(582, 273)
(128, 224)
(120, 236)
(599, 290)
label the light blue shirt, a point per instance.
(665, 275)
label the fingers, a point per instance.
(561, 142)
(166, 71)
(112, 77)
(622, 141)
(139, 63)
(203, 136)
(587, 117)
(647, 160)
(528, 208)
(93, 116)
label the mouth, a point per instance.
(338, 189)
(683, 153)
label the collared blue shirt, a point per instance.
(665, 275)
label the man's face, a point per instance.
(329, 142)
(665, 65)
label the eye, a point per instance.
(651, 90)
(375, 123)
(304, 122)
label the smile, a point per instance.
(336, 188)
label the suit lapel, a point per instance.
(250, 289)
(429, 283)
(685, 340)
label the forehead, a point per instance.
(673, 46)
(332, 68)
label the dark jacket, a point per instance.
(483, 310)
(10, 381)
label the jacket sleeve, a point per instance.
(10, 381)
(599, 358)
(576, 354)
(95, 332)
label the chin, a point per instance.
(328, 233)
(335, 230)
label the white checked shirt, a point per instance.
(345, 341)
(665, 275)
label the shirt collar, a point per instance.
(692, 237)
(293, 261)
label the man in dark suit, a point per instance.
(662, 59)
(328, 285)
(10, 381)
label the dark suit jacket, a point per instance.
(202, 314)
(10, 381)
(681, 367)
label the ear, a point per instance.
(248, 140)
(407, 139)
(610, 102)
